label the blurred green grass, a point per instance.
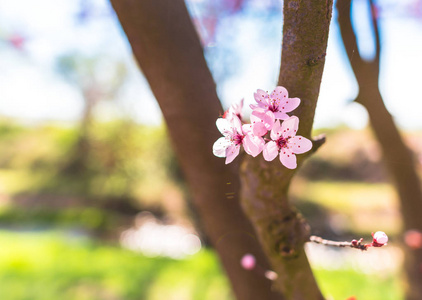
(51, 265)
(342, 284)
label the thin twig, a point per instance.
(357, 244)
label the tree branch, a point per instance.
(170, 55)
(280, 228)
(349, 39)
(317, 142)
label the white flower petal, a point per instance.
(220, 146)
(224, 126)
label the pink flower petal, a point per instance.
(253, 145)
(288, 159)
(276, 131)
(270, 151)
(231, 153)
(281, 115)
(247, 128)
(264, 116)
(237, 124)
(259, 129)
(234, 110)
(279, 93)
(290, 127)
(261, 96)
(289, 104)
(299, 144)
(237, 107)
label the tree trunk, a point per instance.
(397, 157)
(169, 53)
(282, 230)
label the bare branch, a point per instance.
(357, 244)
(317, 142)
(374, 19)
(348, 35)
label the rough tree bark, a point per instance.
(281, 229)
(397, 157)
(169, 53)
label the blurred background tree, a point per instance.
(399, 159)
(99, 78)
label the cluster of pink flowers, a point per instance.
(269, 115)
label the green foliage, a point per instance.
(87, 218)
(124, 160)
(51, 266)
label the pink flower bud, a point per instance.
(380, 238)
(248, 262)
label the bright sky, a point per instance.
(32, 89)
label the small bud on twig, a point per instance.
(379, 239)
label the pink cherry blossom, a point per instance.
(272, 107)
(234, 136)
(248, 262)
(286, 143)
(234, 110)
